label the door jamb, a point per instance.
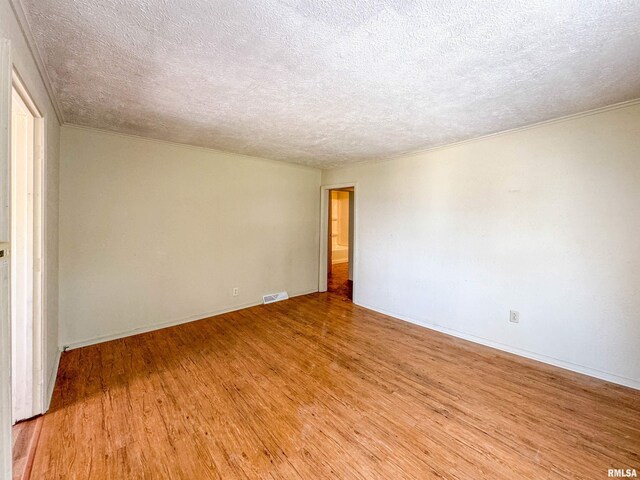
(5, 238)
(39, 234)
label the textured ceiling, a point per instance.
(328, 82)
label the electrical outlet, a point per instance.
(514, 317)
(235, 291)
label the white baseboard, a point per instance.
(609, 377)
(160, 326)
(51, 383)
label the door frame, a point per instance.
(38, 390)
(5, 238)
(324, 235)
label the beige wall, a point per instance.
(544, 221)
(343, 218)
(24, 63)
(153, 233)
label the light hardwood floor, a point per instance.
(316, 387)
(25, 439)
(338, 281)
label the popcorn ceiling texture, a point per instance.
(330, 82)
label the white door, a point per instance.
(5, 330)
(22, 248)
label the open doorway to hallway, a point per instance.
(340, 242)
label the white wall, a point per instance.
(153, 233)
(343, 218)
(545, 221)
(25, 65)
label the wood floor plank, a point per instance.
(316, 387)
(25, 440)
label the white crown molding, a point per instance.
(25, 26)
(531, 126)
(76, 126)
(551, 121)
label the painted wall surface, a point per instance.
(153, 233)
(544, 221)
(25, 65)
(343, 218)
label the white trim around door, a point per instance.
(5, 252)
(324, 234)
(29, 340)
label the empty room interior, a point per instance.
(293, 239)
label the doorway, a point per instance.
(338, 247)
(26, 284)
